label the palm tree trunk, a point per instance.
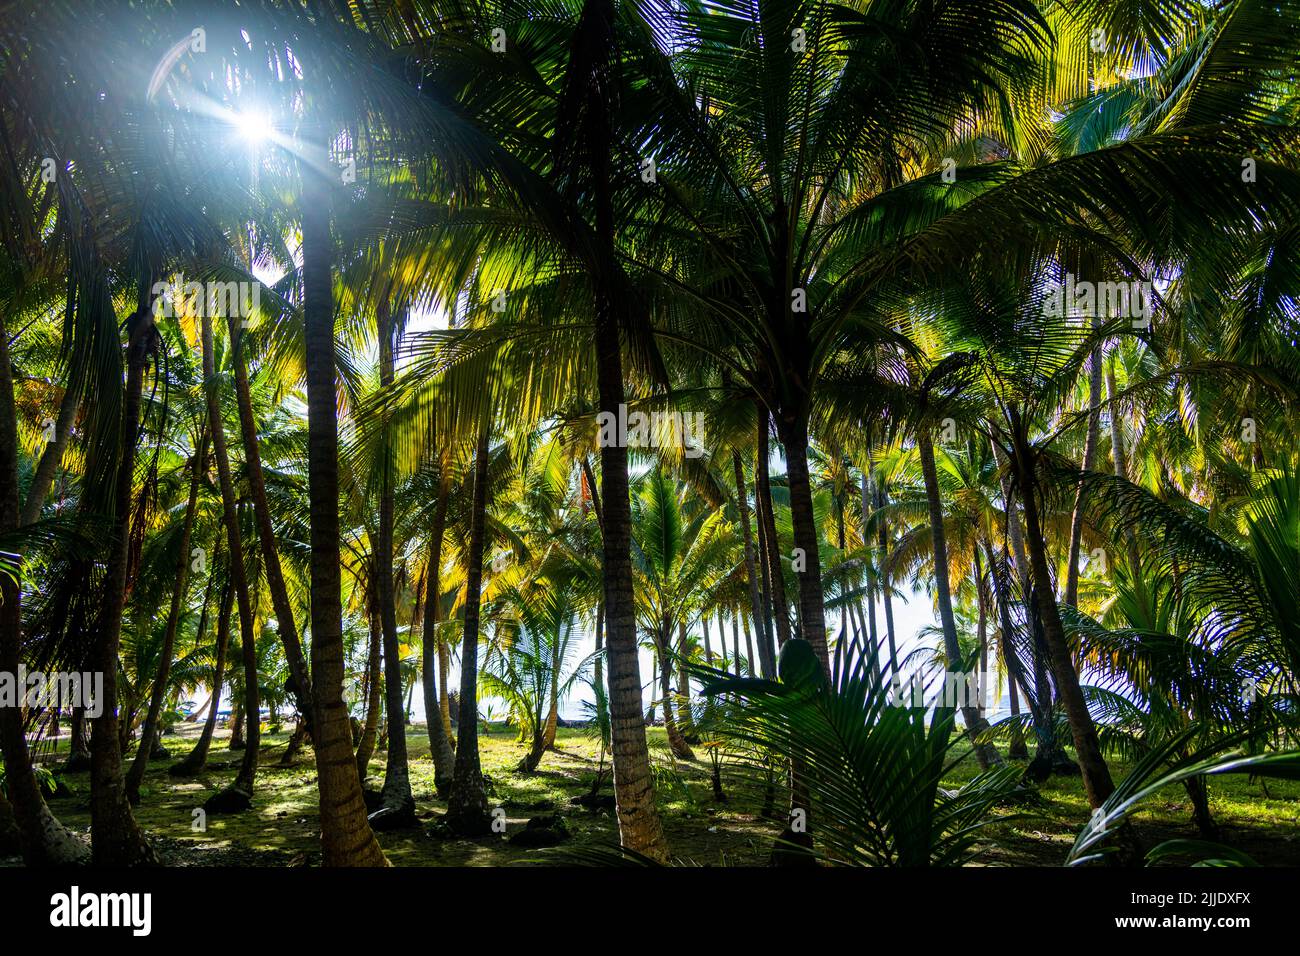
(1047, 748)
(598, 666)
(346, 836)
(467, 809)
(553, 708)
(1096, 775)
(684, 683)
(767, 655)
(299, 675)
(1089, 463)
(398, 801)
(793, 432)
(773, 577)
(42, 838)
(444, 702)
(749, 644)
(134, 776)
(1017, 749)
(197, 758)
(882, 542)
(116, 839)
(244, 780)
(981, 631)
(676, 742)
(986, 754)
(79, 747)
(51, 456)
(439, 744)
(640, 828)
(373, 695)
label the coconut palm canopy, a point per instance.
(861, 417)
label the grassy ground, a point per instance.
(282, 828)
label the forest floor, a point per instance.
(1261, 819)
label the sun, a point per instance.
(253, 125)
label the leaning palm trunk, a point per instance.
(299, 677)
(135, 775)
(51, 456)
(346, 836)
(116, 839)
(1096, 775)
(42, 838)
(244, 780)
(467, 810)
(197, 758)
(439, 744)
(676, 741)
(986, 754)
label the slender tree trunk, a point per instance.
(1017, 749)
(640, 828)
(197, 758)
(374, 696)
(676, 741)
(749, 645)
(1089, 463)
(1199, 794)
(245, 779)
(398, 801)
(237, 741)
(198, 464)
(767, 656)
(882, 541)
(1044, 728)
(553, 706)
(467, 809)
(79, 747)
(981, 632)
(1120, 460)
(598, 666)
(735, 644)
(1096, 775)
(812, 612)
(43, 840)
(774, 578)
(439, 744)
(299, 683)
(116, 839)
(986, 754)
(684, 683)
(444, 702)
(346, 836)
(51, 456)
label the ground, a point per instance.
(282, 829)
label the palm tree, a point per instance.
(467, 810)
(346, 837)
